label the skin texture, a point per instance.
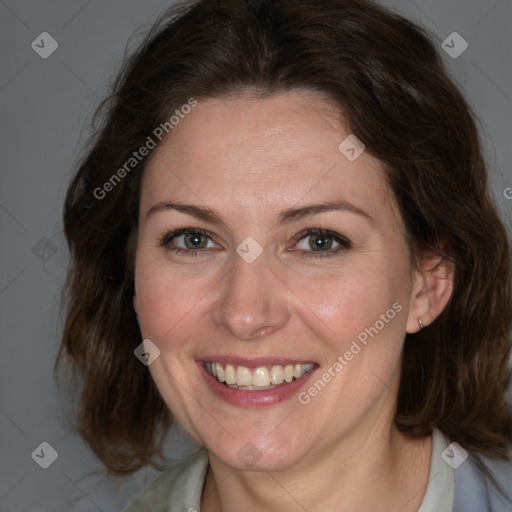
(248, 159)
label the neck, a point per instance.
(377, 469)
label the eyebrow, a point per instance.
(285, 217)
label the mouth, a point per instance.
(256, 382)
(260, 378)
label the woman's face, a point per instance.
(294, 255)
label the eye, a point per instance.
(187, 240)
(322, 242)
(316, 242)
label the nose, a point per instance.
(252, 303)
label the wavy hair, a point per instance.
(393, 93)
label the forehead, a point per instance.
(262, 154)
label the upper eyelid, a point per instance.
(170, 235)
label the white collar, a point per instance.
(440, 488)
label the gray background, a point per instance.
(44, 106)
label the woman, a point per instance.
(291, 211)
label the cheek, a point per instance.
(354, 305)
(341, 301)
(166, 299)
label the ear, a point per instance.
(432, 289)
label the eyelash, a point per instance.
(343, 241)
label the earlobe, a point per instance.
(431, 294)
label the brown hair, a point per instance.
(394, 94)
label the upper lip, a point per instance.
(254, 362)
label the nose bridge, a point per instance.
(251, 304)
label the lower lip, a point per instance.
(255, 399)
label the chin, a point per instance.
(259, 455)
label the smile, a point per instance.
(260, 378)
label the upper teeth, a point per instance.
(258, 377)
